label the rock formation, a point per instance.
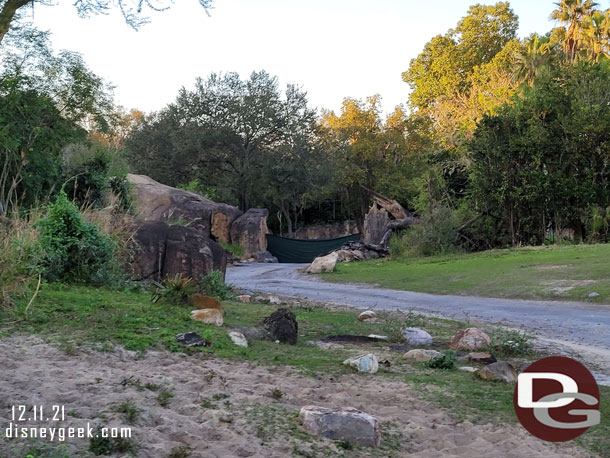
(154, 201)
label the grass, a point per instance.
(237, 250)
(568, 272)
(80, 317)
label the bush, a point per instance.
(446, 361)
(174, 291)
(74, 249)
(508, 342)
(213, 285)
(436, 233)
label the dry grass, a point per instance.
(18, 256)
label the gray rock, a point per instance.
(238, 339)
(347, 424)
(417, 336)
(593, 294)
(364, 363)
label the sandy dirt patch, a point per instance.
(241, 419)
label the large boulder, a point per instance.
(323, 264)
(347, 424)
(250, 232)
(162, 250)
(154, 201)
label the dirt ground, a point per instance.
(223, 408)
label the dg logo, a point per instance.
(557, 399)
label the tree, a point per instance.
(223, 133)
(571, 14)
(541, 162)
(447, 61)
(370, 154)
(132, 10)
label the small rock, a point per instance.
(274, 300)
(208, 316)
(481, 357)
(593, 294)
(500, 370)
(469, 339)
(192, 339)
(282, 326)
(417, 336)
(375, 336)
(348, 424)
(364, 363)
(420, 356)
(368, 316)
(238, 339)
(467, 369)
(226, 418)
(245, 298)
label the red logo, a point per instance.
(557, 399)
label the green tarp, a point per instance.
(304, 250)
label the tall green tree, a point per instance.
(223, 132)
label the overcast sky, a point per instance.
(332, 48)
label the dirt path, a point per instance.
(574, 327)
(223, 408)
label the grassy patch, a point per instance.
(74, 316)
(568, 272)
(235, 249)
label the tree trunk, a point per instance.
(8, 14)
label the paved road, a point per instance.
(586, 325)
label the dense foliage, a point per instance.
(74, 249)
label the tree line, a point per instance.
(503, 141)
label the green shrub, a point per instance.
(446, 361)
(213, 285)
(508, 342)
(436, 233)
(74, 249)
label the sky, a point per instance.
(332, 48)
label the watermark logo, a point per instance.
(557, 399)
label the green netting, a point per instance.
(304, 250)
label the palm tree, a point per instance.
(571, 14)
(596, 35)
(533, 59)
